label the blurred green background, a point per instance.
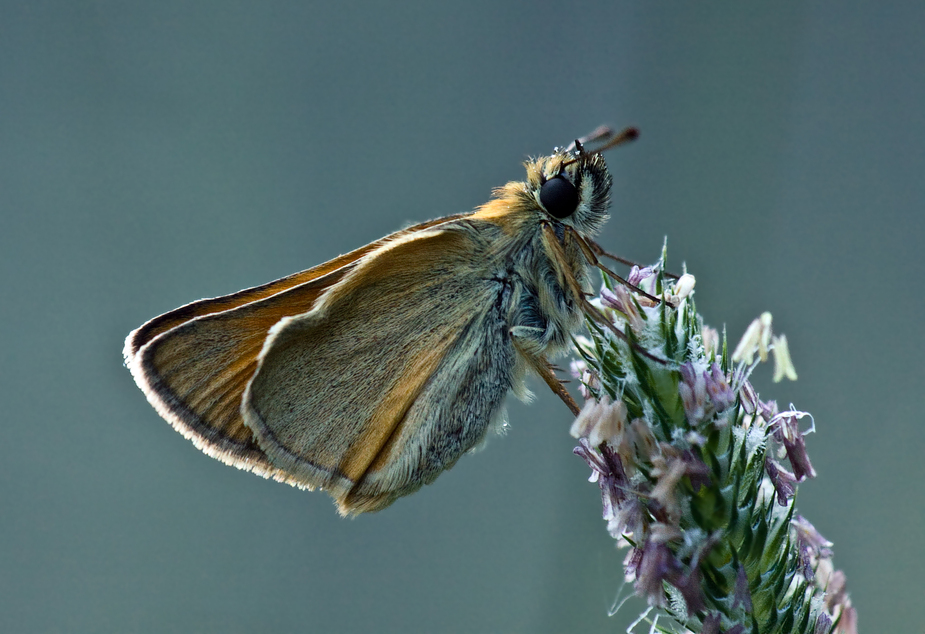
(155, 153)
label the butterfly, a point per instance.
(369, 375)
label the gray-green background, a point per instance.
(155, 153)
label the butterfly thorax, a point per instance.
(537, 252)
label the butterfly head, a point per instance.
(571, 187)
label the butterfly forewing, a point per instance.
(159, 325)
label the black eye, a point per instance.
(559, 197)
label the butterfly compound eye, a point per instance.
(559, 197)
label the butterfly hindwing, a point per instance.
(374, 392)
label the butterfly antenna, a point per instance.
(602, 134)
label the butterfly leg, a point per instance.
(542, 367)
(599, 251)
(592, 259)
(554, 247)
